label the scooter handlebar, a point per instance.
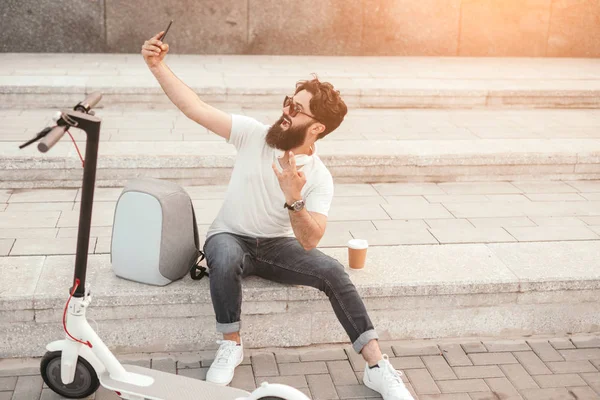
(51, 138)
(91, 101)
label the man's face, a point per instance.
(290, 132)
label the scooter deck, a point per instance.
(171, 387)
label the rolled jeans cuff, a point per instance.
(229, 328)
(363, 339)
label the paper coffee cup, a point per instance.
(357, 253)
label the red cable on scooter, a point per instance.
(65, 315)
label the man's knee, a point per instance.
(332, 274)
(224, 254)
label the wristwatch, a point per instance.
(296, 206)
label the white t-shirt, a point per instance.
(253, 204)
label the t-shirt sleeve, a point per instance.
(244, 129)
(319, 198)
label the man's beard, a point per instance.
(288, 139)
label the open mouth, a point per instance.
(285, 123)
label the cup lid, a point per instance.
(358, 244)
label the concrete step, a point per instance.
(61, 80)
(370, 146)
(502, 289)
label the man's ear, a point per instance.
(318, 129)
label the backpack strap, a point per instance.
(197, 272)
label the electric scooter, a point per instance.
(76, 366)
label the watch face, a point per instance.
(298, 205)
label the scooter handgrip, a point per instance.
(51, 138)
(91, 101)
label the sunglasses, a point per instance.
(294, 108)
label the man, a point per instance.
(274, 215)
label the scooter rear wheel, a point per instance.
(85, 383)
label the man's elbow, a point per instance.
(312, 244)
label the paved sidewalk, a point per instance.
(44, 221)
(533, 368)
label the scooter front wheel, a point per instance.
(84, 384)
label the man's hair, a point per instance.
(326, 104)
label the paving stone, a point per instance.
(105, 394)
(48, 394)
(243, 378)
(592, 379)
(341, 373)
(480, 371)
(484, 396)
(445, 396)
(455, 355)
(506, 345)
(580, 354)
(559, 380)
(472, 235)
(196, 373)
(422, 381)
(284, 356)
(418, 189)
(6, 246)
(42, 195)
(474, 347)
(8, 383)
(306, 392)
(565, 367)
(502, 388)
(492, 358)
(33, 219)
(583, 393)
(403, 363)
(545, 351)
(356, 392)
(561, 343)
(19, 366)
(478, 188)
(303, 368)
(463, 386)
(439, 368)
(356, 360)
(596, 364)
(532, 363)
(6, 395)
(324, 355)
(296, 381)
(518, 376)
(165, 365)
(417, 349)
(586, 342)
(28, 388)
(321, 387)
(188, 365)
(546, 394)
(542, 233)
(504, 222)
(264, 364)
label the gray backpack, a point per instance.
(155, 236)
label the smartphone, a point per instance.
(162, 38)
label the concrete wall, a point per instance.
(539, 28)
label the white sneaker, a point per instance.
(229, 356)
(386, 380)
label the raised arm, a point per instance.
(184, 98)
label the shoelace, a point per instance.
(392, 375)
(226, 348)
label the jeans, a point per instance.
(232, 257)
